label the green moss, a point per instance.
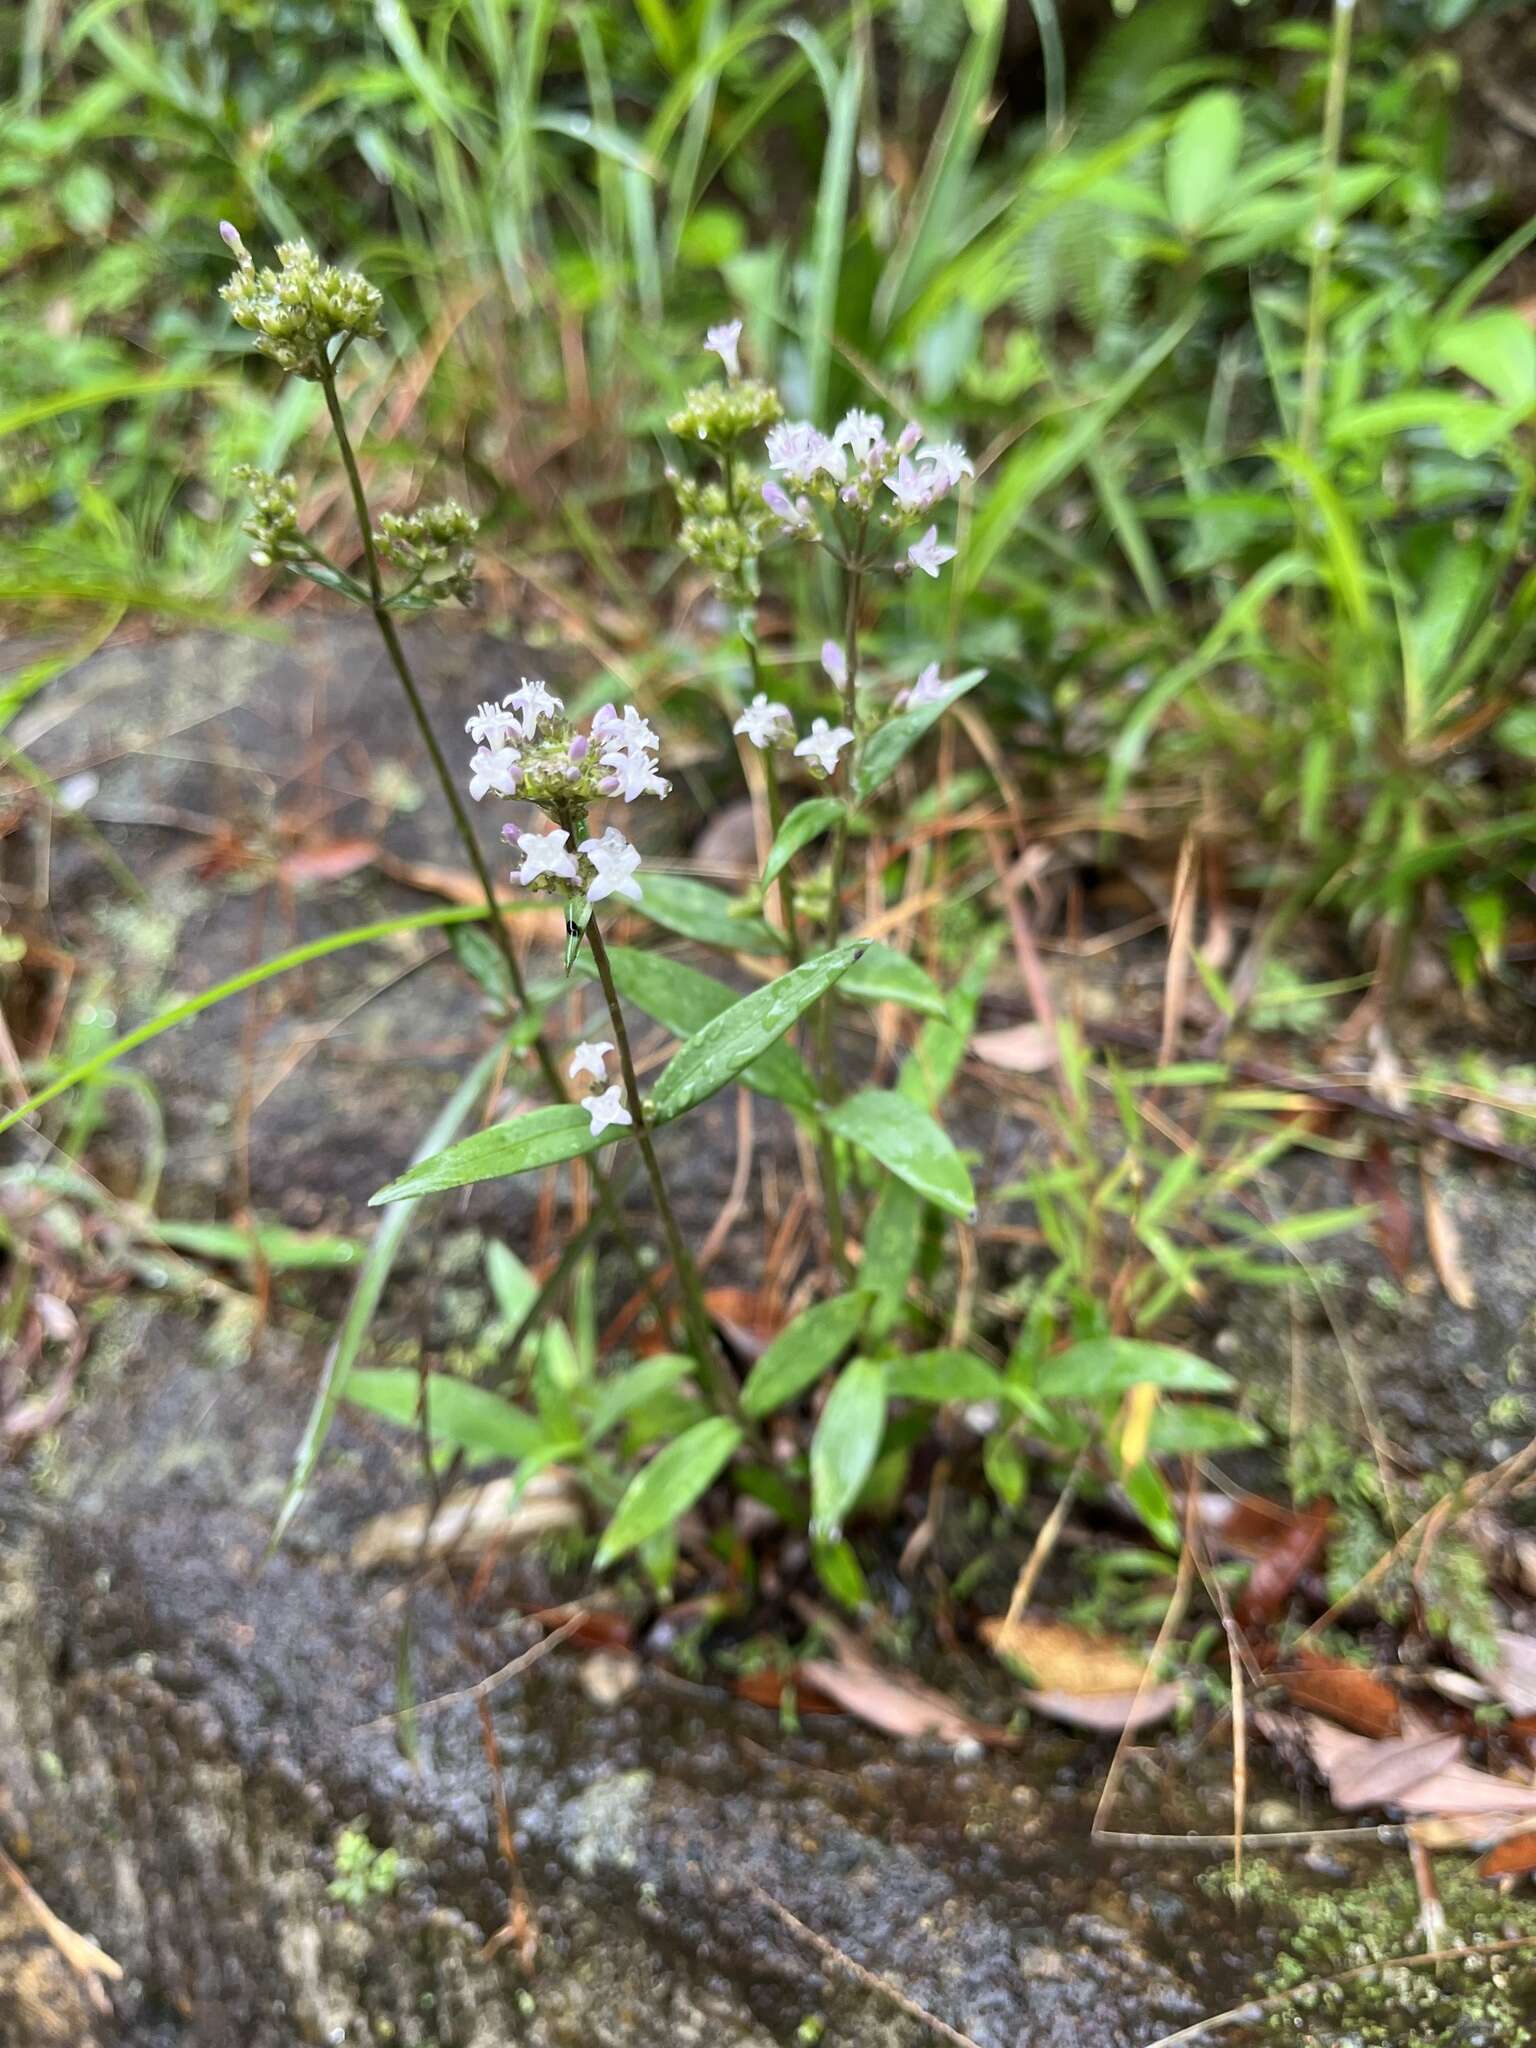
(1477, 2002)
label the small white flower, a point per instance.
(615, 862)
(607, 1108)
(912, 488)
(544, 853)
(533, 700)
(721, 342)
(493, 725)
(861, 433)
(948, 460)
(834, 662)
(632, 775)
(929, 687)
(927, 554)
(494, 768)
(801, 452)
(628, 733)
(764, 723)
(588, 1059)
(823, 744)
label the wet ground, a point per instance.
(183, 1726)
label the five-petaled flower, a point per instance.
(765, 724)
(823, 744)
(928, 555)
(721, 341)
(589, 1059)
(929, 688)
(533, 700)
(614, 863)
(545, 853)
(607, 1108)
(494, 768)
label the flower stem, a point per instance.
(711, 1360)
(1325, 227)
(383, 619)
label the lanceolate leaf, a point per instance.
(694, 910)
(739, 1035)
(940, 1376)
(458, 1412)
(805, 822)
(885, 976)
(909, 1143)
(668, 1486)
(684, 1000)
(541, 1138)
(802, 1351)
(846, 1444)
(889, 745)
(1102, 1368)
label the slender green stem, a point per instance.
(701, 1335)
(1326, 227)
(543, 1051)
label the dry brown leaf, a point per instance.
(470, 1522)
(332, 862)
(1513, 1678)
(1420, 1773)
(1020, 1049)
(1108, 1713)
(1327, 1685)
(896, 1706)
(747, 1321)
(1515, 1856)
(766, 1689)
(1445, 1244)
(1059, 1658)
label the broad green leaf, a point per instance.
(1149, 1497)
(802, 1351)
(1194, 1426)
(805, 822)
(632, 1389)
(458, 1412)
(1101, 1368)
(890, 743)
(541, 1138)
(909, 1143)
(846, 1444)
(694, 910)
(943, 1375)
(733, 1040)
(840, 1572)
(885, 976)
(892, 1239)
(669, 1485)
(513, 1288)
(1006, 1467)
(1469, 426)
(685, 1000)
(1496, 349)
(1202, 158)
(280, 1249)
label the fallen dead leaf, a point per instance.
(470, 1522)
(1300, 1539)
(745, 1319)
(1420, 1773)
(1513, 1678)
(1019, 1049)
(1371, 1179)
(767, 1689)
(1445, 1243)
(1515, 1856)
(1074, 1676)
(1343, 1692)
(331, 862)
(897, 1706)
(1108, 1713)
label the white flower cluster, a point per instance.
(853, 466)
(768, 724)
(590, 1062)
(527, 747)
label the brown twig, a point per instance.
(483, 1687)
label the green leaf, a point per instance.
(943, 1375)
(513, 1288)
(627, 1391)
(696, 911)
(685, 1000)
(1102, 1368)
(470, 1418)
(889, 744)
(734, 1039)
(805, 822)
(846, 1444)
(1202, 158)
(1194, 1426)
(802, 1351)
(840, 1573)
(669, 1486)
(280, 1249)
(885, 976)
(541, 1138)
(1006, 1467)
(1149, 1497)
(909, 1143)
(1497, 350)
(892, 1239)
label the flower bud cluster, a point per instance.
(297, 310)
(435, 539)
(722, 414)
(273, 524)
(526, 747)
(724, 541)
(889, 482)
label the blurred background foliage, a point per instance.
(1229, 304)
